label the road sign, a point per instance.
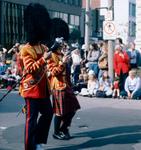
(109, 15)
(109, 30)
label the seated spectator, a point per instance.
(83, 70)
(93, 83)
(85, 77)
(8, 80)
(105, 88)
(132, 86)
(81, 84)
(3, 67)
(92, 86)
(116, 91)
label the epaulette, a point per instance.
(28, 50)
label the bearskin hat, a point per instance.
(59, 29)
(37, 23)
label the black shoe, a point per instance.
(58, 136)
(66, 135)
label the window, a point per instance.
(132, 10)
(65, 18)
(74, 20)
(13, 24)
(132, 29)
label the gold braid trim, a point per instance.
(55, 58)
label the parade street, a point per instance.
(101, 124)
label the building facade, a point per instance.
(138, 25)
(11, 17)
(124, 12)
(95, 19)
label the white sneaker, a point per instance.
(39, 147)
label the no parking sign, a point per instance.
(109, 30)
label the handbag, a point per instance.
(101, 94)
(103, 64)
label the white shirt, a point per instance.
(76, 59)
(92, 85)
(132, 84)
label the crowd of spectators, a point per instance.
(92, 71)
(89, 70)
(9, 70)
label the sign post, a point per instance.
(109, 30)
(110, 33)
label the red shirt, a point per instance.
(121, 62)
(116, 85)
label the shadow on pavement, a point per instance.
(11, 103)
(99, 138)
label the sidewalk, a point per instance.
(87, 103)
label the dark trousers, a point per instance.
(36, 129)
(61, 123)
(76, 74)
(133, 66)
(122, 79)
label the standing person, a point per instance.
(119, 41)
(3, 55)
(65, 104)
(121, 65)
(116, 91)
(134, 56)
(103, 60)
(76, 65)
(92, 58)
(34, 85)
(14, 50)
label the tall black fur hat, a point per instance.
(59, 29)
(37, 23)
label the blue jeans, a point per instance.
(94, 67)
(136, 95)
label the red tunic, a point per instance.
(34, 84)
(64, 100)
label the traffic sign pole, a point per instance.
(111, 49)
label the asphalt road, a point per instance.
(101, 124)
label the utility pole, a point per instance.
(110, 46)
(87, 24)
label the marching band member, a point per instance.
(65, 104)
(34, 85)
